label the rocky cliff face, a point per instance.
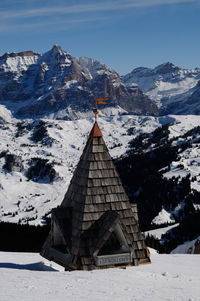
(173, 89)
(33, 84)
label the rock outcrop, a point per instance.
(40, 85)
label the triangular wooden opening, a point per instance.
(116, 243)
(114, 251)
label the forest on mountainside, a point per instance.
(141, 171)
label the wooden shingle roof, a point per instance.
(94, 203)
(96, 188)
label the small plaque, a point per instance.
(112, 259)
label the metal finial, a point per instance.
(101, 101)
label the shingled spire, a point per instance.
(96, 226)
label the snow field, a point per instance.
(157, 233)
(24, 276)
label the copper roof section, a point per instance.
(96, 132)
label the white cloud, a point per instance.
(86, 8)
(24, 19)
(13, 27)
(147, 3)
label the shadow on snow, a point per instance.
(37, 266)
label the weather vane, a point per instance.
(102, 101)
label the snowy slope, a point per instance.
(189, 160)
(189, 247)
(95, 68)
(24, 276)
(21, 199)
(10, 62)
(163, 217)
(157, 233)
(60, 143)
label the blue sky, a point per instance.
(123, 34)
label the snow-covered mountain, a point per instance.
(60, 85)
(174, 90)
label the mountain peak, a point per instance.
(57, 55)
(56, 48)
(166, 68)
